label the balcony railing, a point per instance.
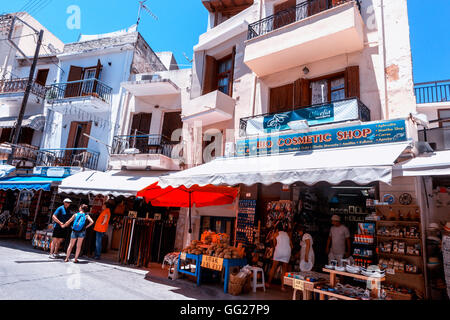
(434, 91)
(291, 15)
(22, 152)
(83, 88)
(438, 138)
(20, 85)
(343, 110)
(144, 144)
(68, 157)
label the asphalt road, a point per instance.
(27, 273)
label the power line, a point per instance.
(41, 7)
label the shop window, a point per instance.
(219, 74)
(444, 114)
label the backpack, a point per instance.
(79, 222)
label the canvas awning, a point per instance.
(361, 165)
(434, 164)
(29, 183)
(115, 183)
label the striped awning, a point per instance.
(36, 122)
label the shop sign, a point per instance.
(315, 115)
(298, 284)
(212, 263)
(53, 172)
(365, 134)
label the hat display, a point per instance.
(335, 218)
(67, 200)
(433, 226)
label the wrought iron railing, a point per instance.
(438, 138)
(68, 157)
(83, 88)
(145, 144)
(291, 15)
(434, 91)
(22, 152)
(363, 113)
(20, 85)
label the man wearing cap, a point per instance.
(339, 239)
(61, 216)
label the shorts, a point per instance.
(60, 233)
(78, 234)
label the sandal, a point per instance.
(75, 261)
(66, 260)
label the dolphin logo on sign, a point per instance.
(277, 121)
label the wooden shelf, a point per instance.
(398, 221)
(352, 275)
(399, 238)
(331, 294)
(397, 205)
(403, 255)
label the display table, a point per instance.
(305, 286)
(323, 293)
(198, 260)
(375, 282)
(42, 239)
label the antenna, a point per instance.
(187, 58)
(142, 6)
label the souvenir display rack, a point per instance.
(399, 246)
(245, 222)
(364, 245)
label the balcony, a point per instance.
(151, 85)
(143, 152)
(68, 157)
(24, 156)
(311, 31)
(19, 86)
(438, 138)
(11, 97)
(209, 108)
(432, 92)
(316, 115)
(90, 95)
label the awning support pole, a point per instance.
(190, 207)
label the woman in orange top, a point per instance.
(101, 226)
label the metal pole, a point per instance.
(17, 130)
(190, 207)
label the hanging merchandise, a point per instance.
(245, 225)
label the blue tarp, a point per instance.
(28, 183)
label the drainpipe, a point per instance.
(386, 100)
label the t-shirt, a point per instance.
(338, 236)
(98, 224)
(62, 214)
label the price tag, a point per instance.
(183, 256)
(299, 284)
(213, 263)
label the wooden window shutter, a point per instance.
(285, 18)
(233, 57)
(282, 98)
(72, 133)
(305, 93)
(98, 68)
(41, 77)
(210, 81)
(172, 122)
(141, 122)
(86, 129)
(352, 82)
(75, 74)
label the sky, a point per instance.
(181, 22)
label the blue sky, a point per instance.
(180, 22)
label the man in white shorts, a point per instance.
(339, 239)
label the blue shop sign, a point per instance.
(365, 134)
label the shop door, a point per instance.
(140, 128)
(284, 14)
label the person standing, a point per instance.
(282, 254)
(306, 251)
(60, 216)
(100, 228)
(78, 231)
(339, 239)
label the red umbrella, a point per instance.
(186, 197)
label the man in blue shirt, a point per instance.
(60, 216)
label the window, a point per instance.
(224, 75)
(444, 114)
(328, 89)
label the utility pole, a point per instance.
(18, 128)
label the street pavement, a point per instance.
(27, 273)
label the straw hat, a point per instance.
(447, 227)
